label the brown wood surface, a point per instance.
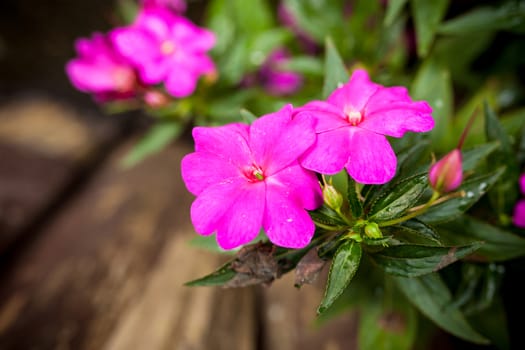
(107, 272)
(44, 146)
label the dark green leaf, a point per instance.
(510, 16)
(327, 216)
(504, 194)
(218, 278)
(335, 70)
(500, 245)
(399, 199)
(427, 17)
(431, 296)
(474, 156)
(414, 232)
(344, 266)
(356, 206)
(393, 10)
(159, 136)
(418, 260)
(433, 84)
(473, 190)
(492, 322)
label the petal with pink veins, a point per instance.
(228, 142)
(296, 182)
(330, 152)
(372, 160)
(285, 222)
(243, 220)
(355, 93)
(201, 170)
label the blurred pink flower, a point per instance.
(179, 6)
(167, 48)
(100, 70)
(522, 183)
(446, 175)
(351, 127)
(246, 177)
(275, 79)
(518, 217)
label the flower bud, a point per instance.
(155, 99)
(372, 230)
(446, 175)
(332, 197)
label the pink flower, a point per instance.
(351, 127)
(179, 6)
(522, 183)
(275, 79)
(166, 48)
(246, 177)
(100, 70)
(446, 175)
(518, 218)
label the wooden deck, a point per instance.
(94, 256)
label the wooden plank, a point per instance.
(108, 272)
(44, 146)
(289, 319)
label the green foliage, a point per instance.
(344, 266)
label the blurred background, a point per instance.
(93, 256)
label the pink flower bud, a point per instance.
(155, 99)
(446, 175)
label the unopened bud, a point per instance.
(372, 230)
(446, 175)
(332, 197)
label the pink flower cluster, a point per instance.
(518, 219)
(161, 46)
(264, 175)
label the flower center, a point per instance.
(254, 173)
(167, 47)
(354, 117)
(124, 79)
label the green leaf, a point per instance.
(393, 10)
(399, 199)
(252, 16)
(510, 16)
(218, 278)
(504, 195)
(492, 322)
(327, 216)
(432, 297)
(356, 206)
(474, 156)
(247, 116)
(414, 232)
(417, 260)
(335, 70)
(427, 17)
(473, 189)
(387, 328)
(344, 266)
(500, 245)
(433, 84)
(304, 64)
(159, 136)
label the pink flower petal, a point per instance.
(136, 45)
(181, 82)
(327, 117)
(228, 142)
(285, 222)
(372, 160)
(522, 183)
(276, 140)
(88, 77)
(193, 38)
(355, 93)
(156, 21)
(243, 220)
(297, 183)
(518, 219)
(329, 154)
(390, 111)
(213, 203)
(201, 170)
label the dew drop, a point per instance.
(482, 186)
(289, 220)
(470, 194)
